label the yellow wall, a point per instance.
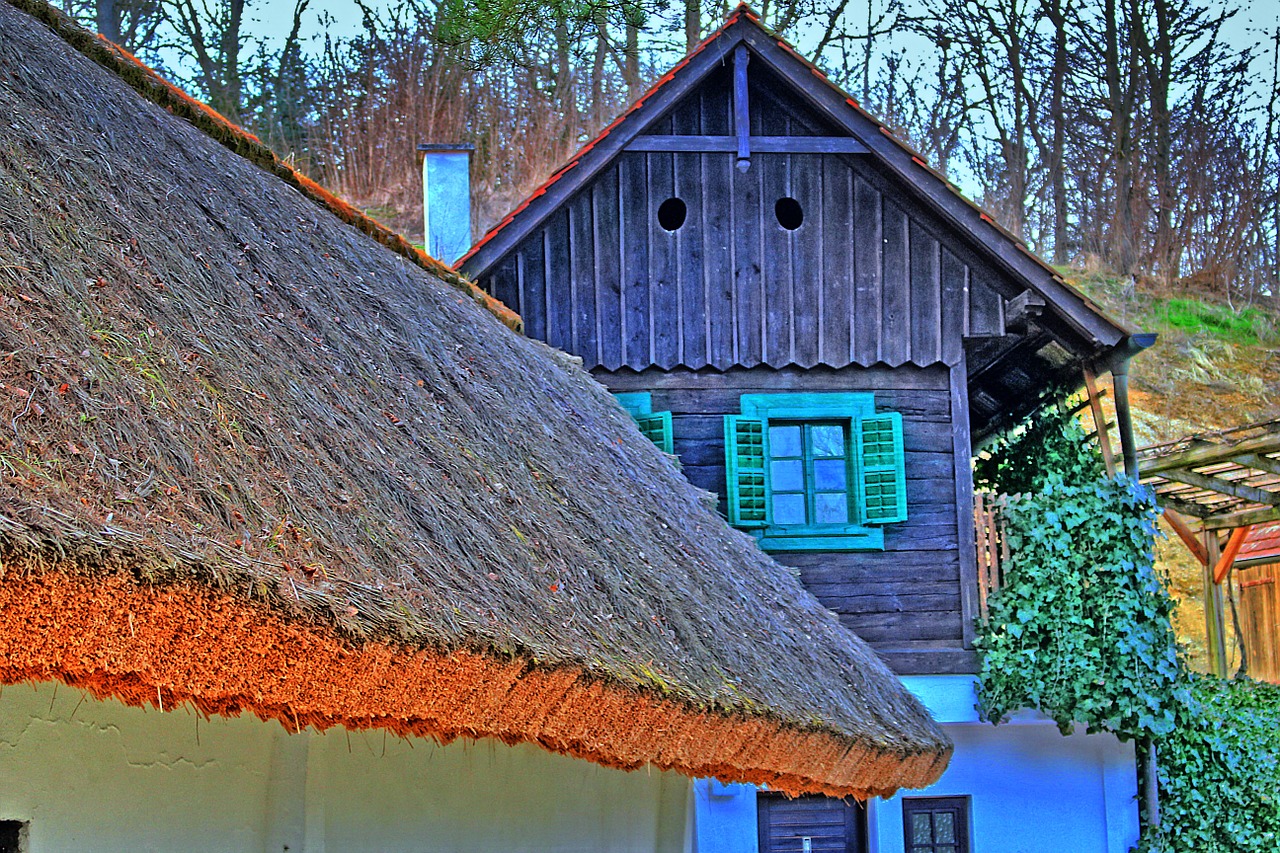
(100, 776)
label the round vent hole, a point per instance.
(790, 214)
(671, 214)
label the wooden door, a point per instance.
(811, 824)
(1260, 620)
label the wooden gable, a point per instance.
(889, 264)
(866, 276)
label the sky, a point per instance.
(271, 20)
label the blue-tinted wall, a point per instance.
(1030, 788)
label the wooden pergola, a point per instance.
(1214, 487)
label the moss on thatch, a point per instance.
(207, 379)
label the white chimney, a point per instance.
(446, 199)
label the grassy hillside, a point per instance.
(1214, 365)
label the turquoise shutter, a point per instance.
(656, 426)
(883, 475)
(745, 471)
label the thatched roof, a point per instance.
(253, 460)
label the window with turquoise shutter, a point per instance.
(655, 426)
(815, 472)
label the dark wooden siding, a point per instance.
(906, 600)
(864, 280)
(870, 277)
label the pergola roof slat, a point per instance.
(1225, 479)
(1235, 488)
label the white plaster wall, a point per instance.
(98, 776)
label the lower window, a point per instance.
(13, 836)
(936, 824)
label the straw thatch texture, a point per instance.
(208, 382)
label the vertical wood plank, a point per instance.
(559, 281)
(533, 283)
(985, 307)
(608, 271)
(664, 270)
(586, 343)
(837, 262)
(748, 281)
(504, 283)
(716, 107)
(895, 321)
(689, 183)
(776, 256)
(955, 302)
(963, 454)
(717, 252)
(633, 209)
(686, 116)
(806, 259)
(868, 259)
(926, 298)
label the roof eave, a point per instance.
(172, 644)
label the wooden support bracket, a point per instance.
(1100, 421)
(1180, 527)
(1229, 553)
(1021, 310)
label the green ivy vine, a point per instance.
(1080, 630)
(1219, 770)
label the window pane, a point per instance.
(784, 441)
(832, 509)
(788, 475)
(828, 440)
(947, 849)
(944, 825)
(829, 475)
(788, 509)
(920, 831)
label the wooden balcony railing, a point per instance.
(992, 547)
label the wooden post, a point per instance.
(1100, 421)
(1214, 616)
(741, 112)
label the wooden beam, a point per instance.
(1236, 519)
(1225, 487)
(1258, 462)
(761, 144)
(741, 110)
(1100, 421)
(1021, 310)
(1229, 554)
(1183, 507)
(1208, 454)
(1180, 527)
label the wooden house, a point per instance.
(303, 548)
(823, 329)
